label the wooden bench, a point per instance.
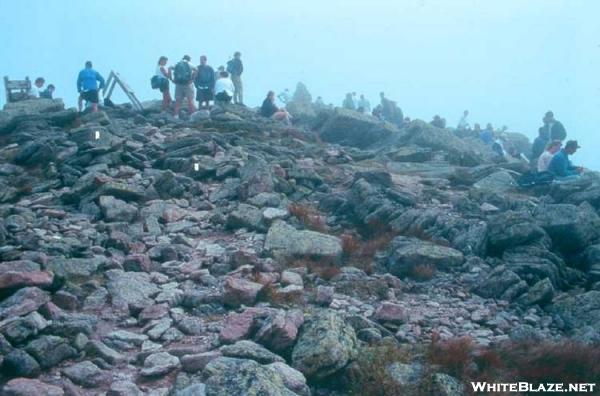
(16, 90)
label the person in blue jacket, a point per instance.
(561, 165)
(87, 86)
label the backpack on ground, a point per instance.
(532, 178)
(182, 74)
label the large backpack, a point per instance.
(182, 73)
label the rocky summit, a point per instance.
(230, 254)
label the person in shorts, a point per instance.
(183, 76)
(87, 86)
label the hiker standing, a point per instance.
(163, 75)
(348, 102)
(364, 106)
(87, 86)
(556, 130)
(463, 123)
(205, 84)
(235, 68)
(183, 75)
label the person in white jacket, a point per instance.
(224, 88)
(544, 160)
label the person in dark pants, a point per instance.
(235, 68)
(205, 84)
(554, 128)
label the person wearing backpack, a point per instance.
(160, 81)
(205, 84)
(235, 68)
(183, 75)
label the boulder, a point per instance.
(293, 379)
(351, 128)
(159, 364)
(132, 288)
(19, 363)
(250, 350)
(422, 134)
(50, 350)
(240, 291)
(279, 331)
(86, 374)
(29, 387)
(572, 228)
(285, 241)
(326, 344)
(512, 228)
(501, 181)
(23, 302)
(406, 253)
(246, 216)
(501, 284)
(116, 210)
(250, 378)
(578, 310)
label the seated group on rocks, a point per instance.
(549, 159)
(37, 90)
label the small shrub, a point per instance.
(453, 355)
(324, 268)
(369, 375)
(361, 253)
(309, 217)
(423, 272)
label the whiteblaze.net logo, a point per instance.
(518, 387)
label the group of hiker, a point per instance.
(547, 153)
(38, 91)
(352, 102)
(221, 86)
(225, 85)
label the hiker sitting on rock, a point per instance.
(224, 89)
(269, 110)
(561, 165)
(183, 75)
(540, 143)
(36, 88)
(348, 103)
(544, 159)
(205, 84)
(463, 123)
(487, 135)
(87, 86)
(438, 122)
(48, 93)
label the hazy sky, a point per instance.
(506, 61)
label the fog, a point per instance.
(507, 61)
